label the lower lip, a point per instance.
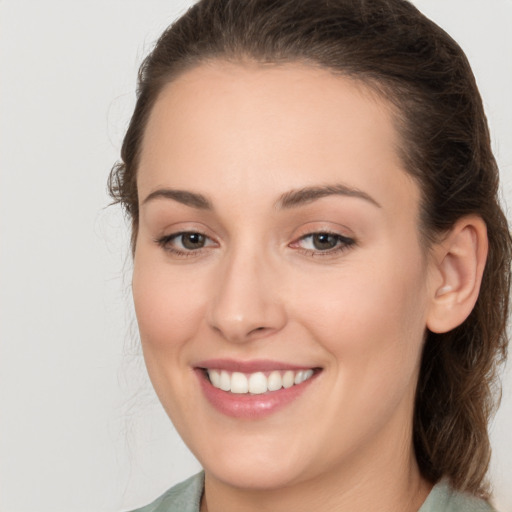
(251, 406)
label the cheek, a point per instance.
(169, 307)
(372, 325)
(371, 316)
(168, 303)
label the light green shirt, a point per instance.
(186, 497)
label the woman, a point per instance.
(321, 266)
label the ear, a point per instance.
(459, 262)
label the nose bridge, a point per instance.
(246, 303)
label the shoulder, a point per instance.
(184, 497)
(443, 498)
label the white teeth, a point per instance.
(288, 379)
(214, 377)
(303, 375)
(274, 381)
(299, 377)
(239, 383)
(225, 381)
(257, 383)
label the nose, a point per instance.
(246, 304)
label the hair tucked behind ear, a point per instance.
(390, 46)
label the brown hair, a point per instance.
(390, 46)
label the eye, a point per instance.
(323, 242)
(185, 242)
(191, 241)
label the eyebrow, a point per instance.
(291, 199)
(185, 197)
(306, 195)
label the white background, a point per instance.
(80, 427)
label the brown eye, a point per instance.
(185, 243)
(324, 241)
(192, 241)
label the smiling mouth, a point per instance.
(257, 383)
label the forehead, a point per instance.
(248, 128)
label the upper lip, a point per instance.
(256, 365)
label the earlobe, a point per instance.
(459, 261)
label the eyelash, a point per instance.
(343, 243)
(165, 243)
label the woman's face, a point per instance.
(279, 233)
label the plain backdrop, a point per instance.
(80, 427)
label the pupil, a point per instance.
(193, 240)
(323, 241)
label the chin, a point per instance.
(246, 459)
(254, 475)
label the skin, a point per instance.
(243, 135)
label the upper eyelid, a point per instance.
(172, 231)
(343, 238)
(172, 236)
(176, 234)
(344, 233)
(324, 231)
